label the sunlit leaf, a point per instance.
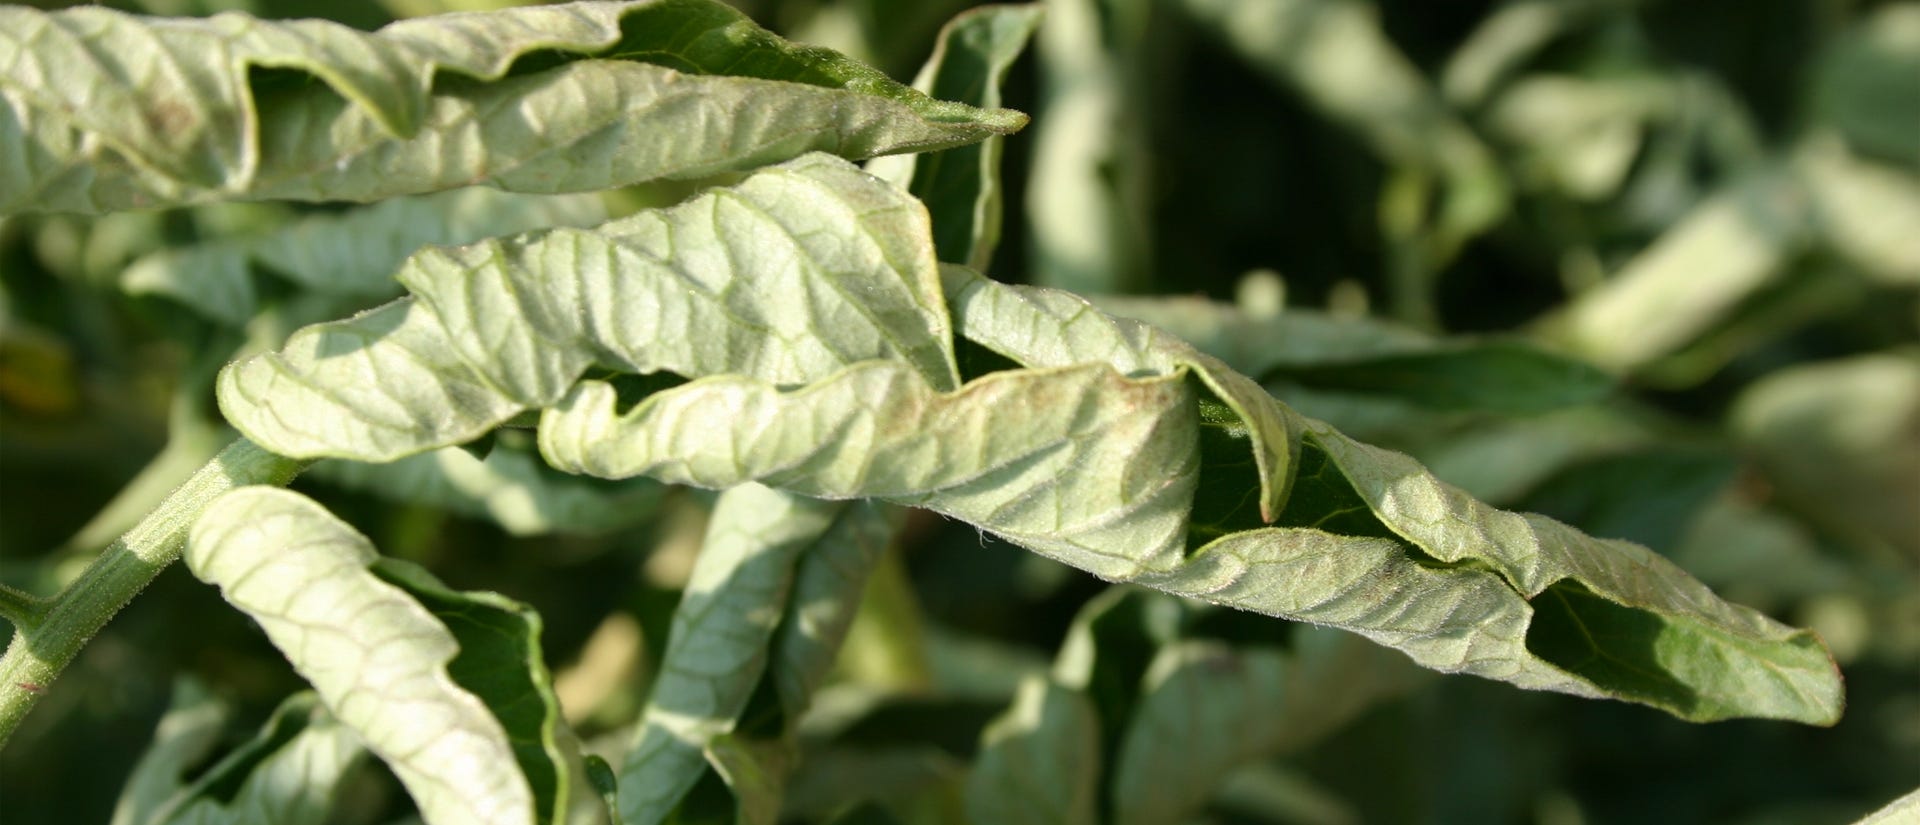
(107, 111)
(1109, 445)
(379, 659)
(799, 271)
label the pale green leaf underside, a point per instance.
(803, 269)
(101, 111)
(352, 253)
(377, 658)
(1089, 454)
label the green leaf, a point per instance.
(296, 783)
(1113, 447)
(107, 111)
(1373, 357)
(718, 646)
(1207, 708)
(1039, 762)
(1863, 84)
(499, 663)
(510, 487)
(754, 772)
(352, 253)
(288, 773)
(828, 581)
(377, 657)
(1841, 441)
(1077, 462)
(800, 270)
(185, 736)
(961, 186)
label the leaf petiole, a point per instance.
(23, 609)
(62, 625)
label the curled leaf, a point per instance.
(106, 111)
(376, 656)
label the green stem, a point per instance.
(21, 608)
(37, 655)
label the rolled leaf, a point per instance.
(802, 269)
(1111, 446)
(106, 111)
(717, 648)
(378, 659)
(961, 186)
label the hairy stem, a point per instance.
(38, 654)
(21, 608)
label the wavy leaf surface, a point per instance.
(801, 270)
(352, 253)
(1111, 446)
(376, 656)
(105, 111)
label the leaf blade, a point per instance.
(303, 574)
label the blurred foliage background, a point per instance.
(1716, 201)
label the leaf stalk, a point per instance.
(42, 649)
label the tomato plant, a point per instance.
(615, 411)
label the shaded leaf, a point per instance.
(961, 186)
(352, 253)
(1039, 762)
(511, 487)
(718, 646)
(187, 733)
(1841, 440)
(374, 654)
(1323, 48)
(500, 664)
(1207, 708)
(1373, 357)
(289, 773)
(109, 111)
